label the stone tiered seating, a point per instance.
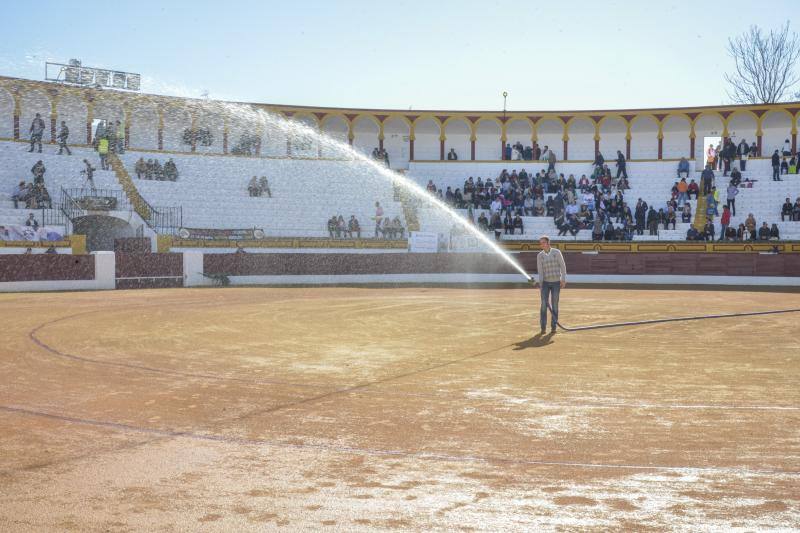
(651, 181)
(62, 171)
(305, 193)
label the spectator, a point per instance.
(149, 169)
(707, 179)
(378, 218)
(793, 165)
(599, 160)
(252, 187)
(750, 225)
(263, 187)
(796, 210)
(496, 225)
(158, 170)
(63, 135)
(170, 170)
(671, 218)
(693, 189)
(724, 221)
(732, 191)
(398, 227)
(451, 155)
(774, 232)
(342, 228)
(99, 132)
(38, 170)
(89, 172)
(743, 151)
(763, 232)
(621, 165)
(776, 166)
(784, 166)
(36, 131)
(140, 168)
(683, 189)
(28, 251)
(31, 222)
(551, 160)
(508, 223)
(741, 233)
(41, 197)
(736, 177)
(786, 211)
(692, 234)
(331, 226)
(787, 147)
(22, 194)
(51, 250)
(120, 146)
(652, 221)
(686, 214)
(708, 231)
(354, 227)
(683, 167)
(711, 156)
(102, 149)
(483, 222)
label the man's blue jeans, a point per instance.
(550, 292)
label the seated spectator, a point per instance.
(388, 229)
(763, 232)
(793, 165)
(252, 187)
(784, 166)
(736, 177)
(431, 188)
(686, 213)
(149, 172)
(483, 222)
(29, 251)
(451, 155)
(496, 225)
(693, 189)
(140, 168)
(683, 167)
(774, 232)
(21, 194)
(31, 222)
(692, 234)
(622, 184)
(263, 187)
(158, 170)
(51, 250)
(41, 198)
(518, 224)
(353, 227)
(750, 224)
(170, 170)
(584, 184)
(397, 225)
(787, 210)
(730, 233)
(671, 218)
(741, 233)
(708, 231)
(796, 210)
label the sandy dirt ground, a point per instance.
(345, 409)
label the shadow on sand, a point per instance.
(537, 341)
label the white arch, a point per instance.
(143, 125)
(581, 139)
(742, 126)
(33, 102)
(676, 137)
(644, 138)
(458, 133)
(209, 117)
(550, 133)
(6, 114)
(335, 127)
(73, 110)
(395, 141)
(426, 139)
(177, 120)
(776, 127)
(612, 137)
(365, 135)
(708, 125)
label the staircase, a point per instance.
(164, 220)
(700, 216)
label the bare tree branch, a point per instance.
(765, 65)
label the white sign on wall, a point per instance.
(424, 242)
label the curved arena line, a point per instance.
(378, 452)
(361, 388)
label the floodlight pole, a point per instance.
(505, 95)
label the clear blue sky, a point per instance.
(399, 54)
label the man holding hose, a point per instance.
(551, 272)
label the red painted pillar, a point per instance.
(52, 129)
(627, 148)
(224, 141)
(194, 141)
(89, 132)
(472, 150)
(288, 148)
(411, 149)
(160, 138)
(127, 135)
(258, 146)
(502, 150)
(380, 144)
(596, 147)
(794, 143)
(660, 148)
(16, 127)
(758, 139)
(350, 141)
(441, 150)
(691, 148)
(566, 151)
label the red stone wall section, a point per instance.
(139, 271)
(46, 267)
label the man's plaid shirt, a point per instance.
(550, 266)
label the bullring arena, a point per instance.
(244, 316)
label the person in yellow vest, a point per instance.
(102, 149)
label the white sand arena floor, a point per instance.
(412, 409)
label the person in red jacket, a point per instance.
(724, 221)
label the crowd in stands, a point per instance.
(339, 229)
(592, 202)
(259, 187)
(152, 169)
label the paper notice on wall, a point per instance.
(15, 232)
(423, 242)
